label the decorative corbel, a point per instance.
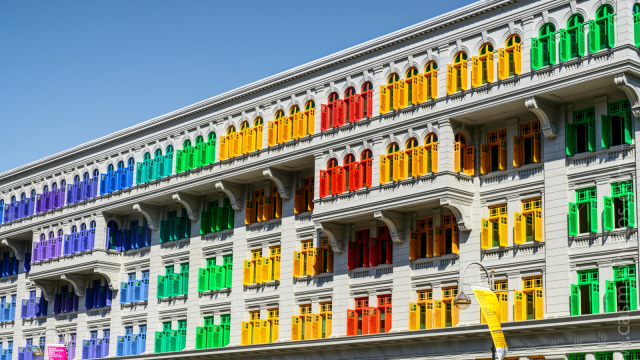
(230, 191)
(462, 218)
(281, 180)
(79, 282)
(47, 287)
(112, 278)
(546, 113)
(17, 248)
(631, 87)
(394, 224)
(151, 213)
(188, 203)
(335, 234)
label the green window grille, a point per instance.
(576, 356)
(604, 355)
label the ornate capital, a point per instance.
(281, 180)
(18, 248)
(335, 233)
(231, 191)
(631, 87)
(547, 114)
(79, 282)
(151, 213)
(188, 203)
(47, 287)
(461, 212)
(393, 222)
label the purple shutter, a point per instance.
(44, 245)
(92, 239)
(94, 186)
(35, 251)
(76, 299)
(70, 192)
(39, 203)
(67, 245)
(57, 303)
(62, 196)
(24, 310)
(118, 243)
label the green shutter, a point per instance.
(536, 54)
(633, 294)
(220, 276)
(594, 297)
(139, 173)
(606, 131)
(200, 338)
(628, 127)
(608, 213)
(230, 215)
(157, 347)
(636, 29)
(179, 161)
(593, 216)
(565, 44)
(591, 135)
(573, 219)
(212, 151)
(205, 226)
(610, 297)
(552, 49)
(203, 280)
(611, 31)
(580, 40)
(575, 300)
(594, 37)
(631, 211)
(570, 137)
(161, 287)
(221, 220)
(228, 277)
(184, 283)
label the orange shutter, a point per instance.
(434, 158)
(439, 240)
(455, 241)
(456, 156)
(384, 100)
(428, 316)
(249, 212)
(484, 159)
(537, 231)
(469, 161)
(517, 59)
(503, 228)
(519, 306)
(502, 155)
(475, 72)
(272, 133)
(298, 202)
(311, 121)
(224, 148)
(414, 245)
(414, 316)
(430, 242)
(417, 165)
(276, 268)
(247, 274)
(418, 89)
(245, 336)
(536, 148)
(517, 151)
(519, 232)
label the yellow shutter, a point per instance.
(245, 336)
(404, 165)
(469, 160)
(224, 148)
(502, 155)
(286, 130)
(451, 79)
(311, 121)
(275, 327)
(257, 328)
(248, 212)
(414, 245)
(490, 67)
(454, 315)
(316, 326)
(297, 264)
(428, 316)
(296, 328)
(519, 229)
(417, 165)
(475, 72)
(259, 271)
(404, 93)
(328, 325)
(384, 170)
(485, 235)
(266, 269)
(237, 143)
(434, 84)
(503, 298)
(503, 67)
(311, 261)
(536, 148)
(264, 331)
(464, 75)
(439, 240)
(396, 166)
(539, 306)
(437, 314)
(456, 156)
(484, 159)
(434, 158)
(308, 320)
(414, 316)
(455, 240)
(517, 151)
(302, 125)
(537, 231)
(247, 274)
(504, 230)
(249, 140)
(418, 89)
(384, 100)
(517, 59)
(258, 136)
(272, 133)
(395, 95)
(519, 306)
(276, 268)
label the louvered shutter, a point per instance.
(593, 216)
(631, 213)
(464, 76)
(490, 69)
(451, 79)
(272, 133)
(434, 84)
(417, 164)
(438, 316)
(570, 139)
(418, 89)
(536, 148)
(594, 37)
(594, 298)
(536, 54)
(565, 45)
(611, 29)
(395, 95)
(484, 159)
(247, 273)
(297, 264)
(519, 229)
(414, 245)
(503, 65)
(469, 161)
(628, 128)
(384, 170)
(414, 316)
(517, 152)
(591, 135)
(438, 241)
(485, 235)
(575, 300)
(502, 155)
(538, 225)
(324, 184)
(352, 256)
(503, 229)
(610, 297)
(475, 72)
(517, 59)
(457, 156)
(258, 137)
(434, 158)
(573, 219)
(324, 118)
(339, 115)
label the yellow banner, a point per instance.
(490, 306)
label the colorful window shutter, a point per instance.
(610, 31)
(457, 148)
(324, 184)
(502, 155)
(397, 93)
(414, 316)
(536, 54)
(272, 134)
(464, 76)
(573, 219)
(418, 89)
(475, 72)
(434, 158)
(504, 231)
(503, 67)
(575, 300)
(438, 316)
(439, 240)
(490, 69)
(610, 297)
(517, 59)
(434, 85)
(224, 148)
(594, 37)
(536, 148)
(384, 100)
(628, 128)
(538, 225)
(519, 306)
(517, 152)
(384, 170)
(485, 235)
(469, 160)
(455, 241)
(539, 304)
(593, 215)
(451, 80)
(631, 213)
(247, 274)
(311, 261)
(565, 45)
(594, 297)
(570, 137)
(552, 49)
(414, 245)
(352, 323)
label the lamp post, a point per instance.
(40, 352)
(462, 301)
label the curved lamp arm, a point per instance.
(489, 277)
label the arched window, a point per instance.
(169, 149)
(96, 173)
(45, 189)
(349, 171)
(366, 94)
(157, 154)
(413, 85)
(76, 179)
(92, 225)
(42, 237)
(602, 29)
(186, 144)
(110, 168)
(244, 126)
(120, 165)
(147, 156)
(54, 186)
(390, 164)
(294, 110)
(112, 225)
(413, 163)
(392, 95)
(366, 168)
(74, 229)
(457, 74)
(510, 58)
(309, 120)
(430, 81)
(463, 156)
(23, 196)
(332, 115)
(211, 136)
(431, 152)
(83, 227)
(482, 66)
(60, 233)
(51, 235)
(85, 176)
(543, 49)
(131, 161)
(572, 39)
(33, 193)
(258, 121)
(13, 198)
(199, 140)
(63, 183)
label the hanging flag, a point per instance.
(490, 307)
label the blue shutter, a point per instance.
(120, 346)
(85, 349)
(103, 184)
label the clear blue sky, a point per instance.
(73, 71)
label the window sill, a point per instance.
(611, 149)
(134, 251)
(12, 322)
(218, 233)
(213, 292)
(134, 303)
(263, 223)
(171, 298)
(264, 284)
(509, 171)
(614, 232)
(98, 309)
(526, 245)
(441, 257)
(175, 242)
(318, 277)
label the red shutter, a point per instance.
(324, 186)
(368, 171)
(387, 319)
(369, 95)
(389, 250)
(354, 104)
(374, 321)
(339, 112)
(366, 248)
(324, 117)
(353, 255)
(352, 323)
(355, 176)
(375, 252)
(340, 180)
(365, 320)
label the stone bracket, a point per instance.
(47, 287)
(631, 87)
(112, 278)
(281, 179)
(546, 113)
(335, 233)
(394, 223)
(79, 282)
(188, 203)
(231, 191)
(17, 248)
(151, 213)
(460, 211)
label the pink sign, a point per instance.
(57, 352)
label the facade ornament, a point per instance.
(394, 224)
(281, 180)
(188, 203)
(546, 113)
(151, 213)
(230, 191)
(335, 233)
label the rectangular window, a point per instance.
(583, 214)
(495, 158)
(581, 134)
(501, 290)
(526, 147)
(494, 230)
(622, 292)
(619, 209)
(528, 223)
(585, 296)
(617, 125)
(529, 302)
